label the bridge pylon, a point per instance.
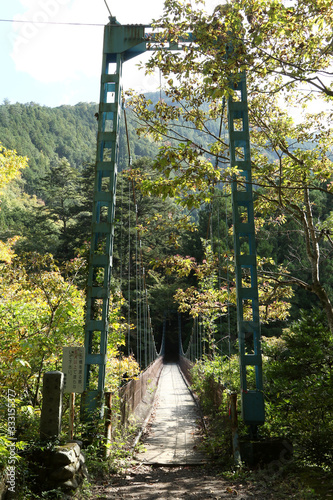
(252, 399)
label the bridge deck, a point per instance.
(173, 434)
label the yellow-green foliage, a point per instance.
(120, 370)
(10, 165)
(40, 312)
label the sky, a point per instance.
(55, 64)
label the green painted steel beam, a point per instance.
(101, 246)
(250, 357)
(128, 40)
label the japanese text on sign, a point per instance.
(73, 369)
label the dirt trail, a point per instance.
(164, 469)
(142, 482)
(170, 439)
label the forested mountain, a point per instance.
(54, 193)
(46, 135)
(49, 207)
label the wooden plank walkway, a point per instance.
(173, 436)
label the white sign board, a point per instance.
(73, 369)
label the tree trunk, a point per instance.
(312, 237)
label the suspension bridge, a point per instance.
(176, 410)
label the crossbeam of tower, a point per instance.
(122, 43)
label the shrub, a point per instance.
(299, 388)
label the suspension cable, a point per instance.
(142, 306)
(219, 247)
(129, 272)
(228, 270)
(138, 340)
(108, 8)
(228, 289)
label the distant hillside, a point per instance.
(46, 134)
(50, 207)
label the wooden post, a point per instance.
(108, 423)
(234, 428)
(71, 415)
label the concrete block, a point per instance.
(70, 484)
(50, 422)
(63, 473)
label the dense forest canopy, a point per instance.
(291, 161)
(49, 207)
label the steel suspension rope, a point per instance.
(150, 353)
(129, 240)
(228, 289)
(222, 128)
(138, 332)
